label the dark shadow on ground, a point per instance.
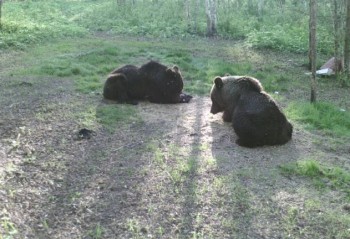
(254, 182)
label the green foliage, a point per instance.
(323, 176)
(29, 22)
(233, 29)
(32, 22)
(280, 38)
(151, 20)
(322, 116)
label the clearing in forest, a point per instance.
(155, 170)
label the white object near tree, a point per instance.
(330, 67)
(325, 72)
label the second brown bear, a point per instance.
(255, 116)
(152, 81)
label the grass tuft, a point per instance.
(110, 115)
(323, 116)
(323, 176)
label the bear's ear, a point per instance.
(176, 69)
(169, 70)
(218, 82)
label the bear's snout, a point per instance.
(214, 110)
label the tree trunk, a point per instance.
(261, 4)
(195, 19)
(312, 44)
(347, 44)
(210, 7)
(337, 37)
(0, 13)
(250, 6)
(282, 3)
(187, 11)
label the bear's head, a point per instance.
(227, 90)
(218, 105)
(286, 133)
(173, 83)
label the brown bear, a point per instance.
(125, 85)
(255, 116)
(152, 81)
(165, 84)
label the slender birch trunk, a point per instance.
(347, 44)
(312, 44)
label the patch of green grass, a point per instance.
(8, 229)
(82, 62)
(321, 115)
(315, 221)
(272, 81)
(86, 62)
(86, 116)
(72, 58)
(220, 68)
(31, 22)
(310, 168)
(323, 176)
(97, 232)
(134, 227)
(110, 115)
(88, 84)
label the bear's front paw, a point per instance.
(184, 98)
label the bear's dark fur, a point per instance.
(258, 121)
(125, 84)
(152, 81)
(226, 92)
(255, 116)
(165, 83)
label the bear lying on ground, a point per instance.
(125, 85)
(152, 81)
(255, 116)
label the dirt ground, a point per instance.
(172, 172)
